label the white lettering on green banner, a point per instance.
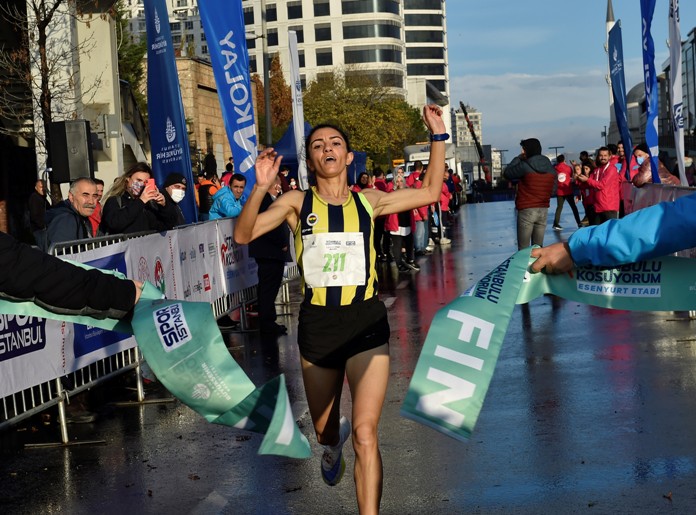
(461, 349)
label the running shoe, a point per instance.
(413, 265)
(332, 463)
(557, 228)
(445, 241)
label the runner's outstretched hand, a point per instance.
(267, 167)
(432, 117)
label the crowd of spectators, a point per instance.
(595, 181)
(402, 237)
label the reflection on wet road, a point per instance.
(589, 410)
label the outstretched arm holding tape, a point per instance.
(30, 275)
(648, 233)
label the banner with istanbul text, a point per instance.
(459, 356)
(168, 134)
(223, 24)
(184, 348)
(196, 263)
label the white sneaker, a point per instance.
(332, 463)
(445, 241)
(431, 243)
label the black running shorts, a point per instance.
(329, 336)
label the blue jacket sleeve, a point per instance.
(645, 234)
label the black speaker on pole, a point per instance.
(71, 151)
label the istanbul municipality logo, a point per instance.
(157, 22)
(170, 131)
(200, 391)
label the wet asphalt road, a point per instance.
(589, 411)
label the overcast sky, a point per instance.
(537, 68)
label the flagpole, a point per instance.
(266, 76)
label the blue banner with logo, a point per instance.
(168, 134)
(618, 88)
(223, 24)
(647, 8)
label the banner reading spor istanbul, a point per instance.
(168, 135)
(223, 24)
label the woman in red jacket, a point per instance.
(564, 192)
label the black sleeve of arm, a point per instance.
(516, 169)
(58, 286)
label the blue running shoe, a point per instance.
(332, 463)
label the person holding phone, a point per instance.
(134, 204)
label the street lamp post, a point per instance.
(556, 149)
(502, 155)
(502, 151)
(266, 75)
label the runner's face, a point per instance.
(328, 153)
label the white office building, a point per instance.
(399, 45)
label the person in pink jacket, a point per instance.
(564, 192)
(401, 226)
(606, 183)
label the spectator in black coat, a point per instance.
(38, 206)
(174, 191)
(130, 206)
(69, 220)
(271, 252)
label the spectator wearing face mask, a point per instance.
(644, 175)
(133, 204)
(174, 191)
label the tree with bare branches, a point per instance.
(40, 73)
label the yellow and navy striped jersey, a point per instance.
(355, 215)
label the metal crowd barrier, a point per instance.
(26, 403)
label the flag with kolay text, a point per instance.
(223, 24)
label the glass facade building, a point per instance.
(386, 41)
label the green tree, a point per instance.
(281, 101)
(377, 122)
(131, 53)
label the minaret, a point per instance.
(610, 25)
